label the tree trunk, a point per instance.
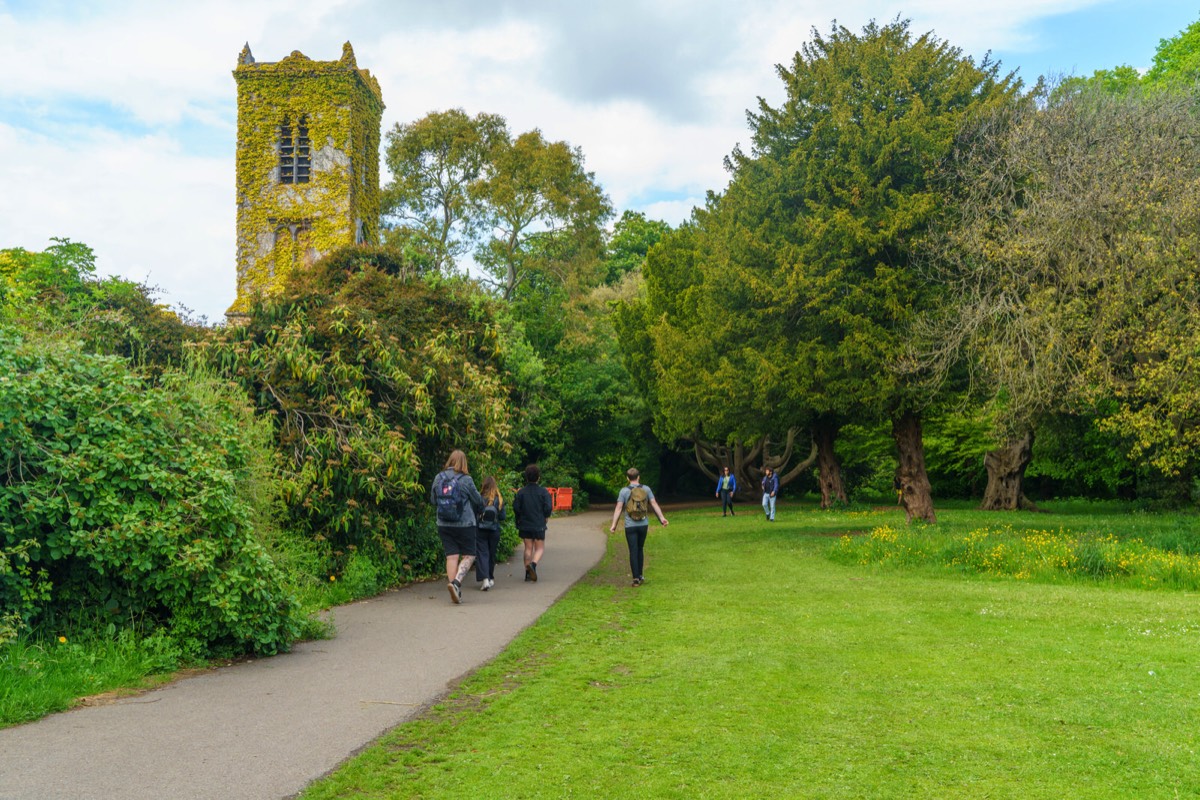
(911, 478)
(829, 471)
(712, 457)
(1006, 476)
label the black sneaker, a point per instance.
(637, 582)
(455, 592)
(533, 571)
(528, 574)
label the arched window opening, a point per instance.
(295, 151)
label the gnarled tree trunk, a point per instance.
(916, 495)
(828, 468)
(1006, 476)
(711, 457)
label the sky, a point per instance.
(118, 119)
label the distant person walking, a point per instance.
(488, 538)
(457, 501)
(636, 501)
(531, 508)
(770, 488)
(726, 487)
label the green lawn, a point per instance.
(751, 665)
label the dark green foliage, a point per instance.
(631, 240)
(127, 497)
(373, 376)
(56, 291)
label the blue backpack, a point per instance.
(450, 499)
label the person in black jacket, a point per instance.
(531, 508)
(488, 538)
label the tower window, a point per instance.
(295, 151)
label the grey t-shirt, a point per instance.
(623, 498)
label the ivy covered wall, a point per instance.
(280, 225)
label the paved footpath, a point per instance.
(265, 729)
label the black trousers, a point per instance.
(636, 539)
(486, 542)
(726, 501)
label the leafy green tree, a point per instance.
(56, 291)
(1176, 66)
(1177, 60)
(1117, 80)
(631, 240)
(1072, 267)
(808, 260)
(435, 162)
(545, 211)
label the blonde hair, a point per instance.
(457, 462)
(490, 490)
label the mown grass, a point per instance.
(751, 665)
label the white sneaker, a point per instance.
(483, 587)
(490, 583)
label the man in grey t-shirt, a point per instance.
(636, 501)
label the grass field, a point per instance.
(752, 665)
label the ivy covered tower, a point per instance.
(307, 165)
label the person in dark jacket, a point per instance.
(488, 538)
(770, 488)
(531, 509)
(726, 487)
(457, 501)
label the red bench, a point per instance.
(561, 499)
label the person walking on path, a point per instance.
(531, 508)
(457, 501)
(488, 537)
(726, 487)
(636, 501)
(770, 488)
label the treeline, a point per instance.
(912, 236)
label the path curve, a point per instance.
(265, 729)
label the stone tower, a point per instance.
(307, 165)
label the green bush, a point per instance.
(129, 496)
(373, 376)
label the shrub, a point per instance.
(373, 375)
(129, 497)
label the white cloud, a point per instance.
(654, 93)
(152, 213)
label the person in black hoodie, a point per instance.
(531, 509)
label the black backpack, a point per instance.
(490, 514)
(450, 498)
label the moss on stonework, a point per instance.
(343, 106)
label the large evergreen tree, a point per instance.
(808, 258)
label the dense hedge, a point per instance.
(124, 496)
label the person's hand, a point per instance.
(612, 528)
(663, 520)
